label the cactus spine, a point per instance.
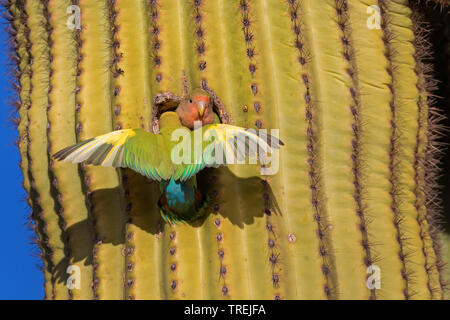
(355, 180)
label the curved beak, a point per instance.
(201, 105)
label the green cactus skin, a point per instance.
(65, 178)
(356, 175)
(38, 160)
(105, 193)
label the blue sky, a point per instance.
(19, 272)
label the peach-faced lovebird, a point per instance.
(190, 139)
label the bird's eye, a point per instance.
(190, 100)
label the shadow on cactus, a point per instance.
(205, 180)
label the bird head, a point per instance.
(196, 106)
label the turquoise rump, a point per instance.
(181, 201)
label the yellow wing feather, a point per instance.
(102, 150)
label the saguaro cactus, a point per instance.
(350, 213)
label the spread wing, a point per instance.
(129, 148)
(227, 144)
(150, 154)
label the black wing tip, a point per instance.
(63, 153)
(60, 154)
(269, 138)
(274, 142)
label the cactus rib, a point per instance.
(402, 150)
(131, 92)
(38, 161)
(94, 117)
(69, 195)
(344, 22)
(272, 247)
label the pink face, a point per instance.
(196, 108)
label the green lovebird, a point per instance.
(190, 139)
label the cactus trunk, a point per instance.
(354, 193)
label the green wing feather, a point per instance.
(129, 148)
(150, 154)
(220, 147)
